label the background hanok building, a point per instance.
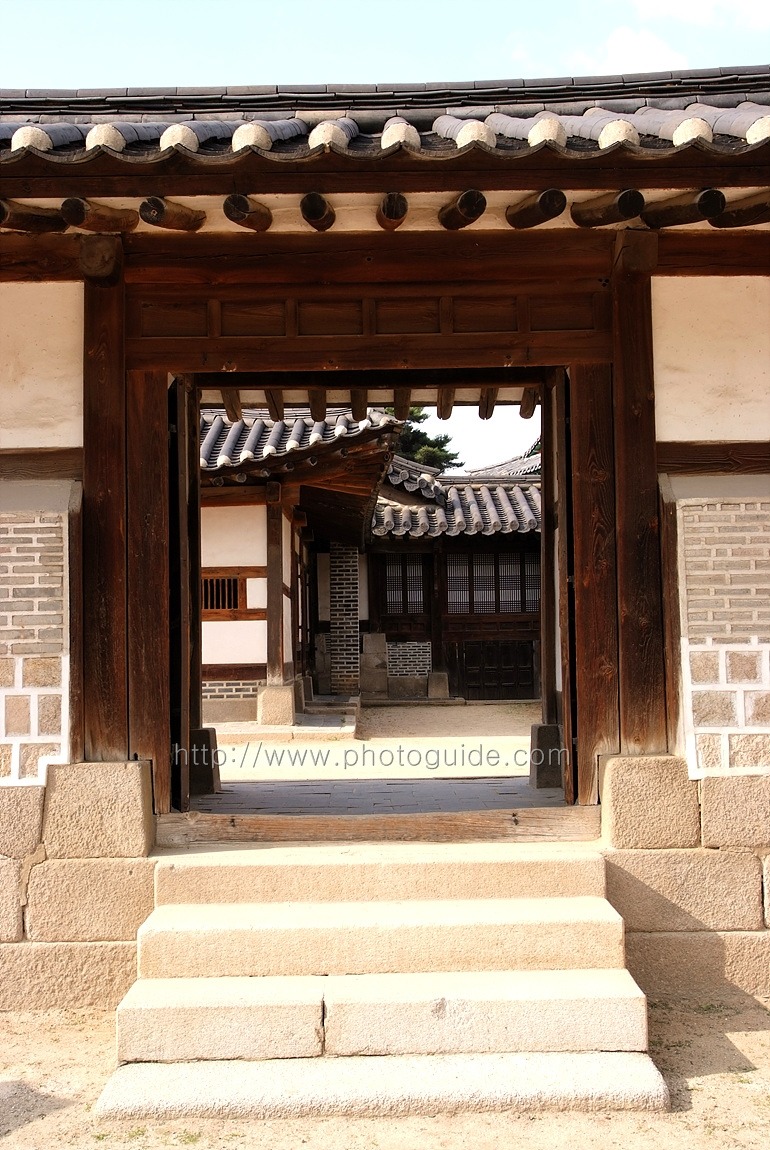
(432, 590)
(600, 246)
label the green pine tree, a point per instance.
(429, 450)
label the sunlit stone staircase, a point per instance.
(379, 979)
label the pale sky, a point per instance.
(176, 43)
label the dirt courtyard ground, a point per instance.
(714, 1054)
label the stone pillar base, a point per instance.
(299, 694)
(307, 682)
(275, 706)
(545, 760)
(438, 685)
(204, 767)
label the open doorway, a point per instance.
(479, 627)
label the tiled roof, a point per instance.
(523, 465)
(723, 109)
(257, 437)
(413, 476)
(465, 508)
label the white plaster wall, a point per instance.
(41, 365)
(235, 641)
(363, 587)
(711, 344)
(287, 549)
(256, 593)
(288, 631)
(234, 536)
(324, 605)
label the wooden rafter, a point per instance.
(445, 402)
(162, 213)
(612, 208)
(529, 402)
(359, 402)
(317, 399)
(317, 211)
(231, 397)
(93, 217)
(688, 208)
(402, 400)
(274, 401)
(24, 218)
(462, 210)
(248, 212)
(487, 402)
(392, 211)
(534, 210)
(745, 212)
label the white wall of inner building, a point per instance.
(234, 641)
(363, 586)
(41, 365)
(711, 346)
(234, 536)
(256, 593)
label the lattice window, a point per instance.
(458, 583)
(220, 593)
(404, 585)
(486, 583)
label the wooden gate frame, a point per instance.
(619, 668)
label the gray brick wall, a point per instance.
(410, 658)
(33, 663)
(343, 619)
(230, 688)
(726, 632)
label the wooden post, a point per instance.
(147, 538)
(595, 581)
(547, 555)
(640, 603)
(565, 699)
(194, 550)
(275, 655)
(75, 556)
(105, 683)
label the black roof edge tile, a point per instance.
(472, 112)
(50, 93)
(498, 85)
(448, 86)
(669, 103)
(618, 105)
(400, 87)
(649, 77)
(351, 89)
(301, 89)
(249, 90)
(521, 111)
(422, 118)
(12, 93)
(697, 74)
(744, 70)
(101, 93)
(151, 91)
(200, 91)
(568, 107)
(552, 82)
(721, 99)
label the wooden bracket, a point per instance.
(273, 491)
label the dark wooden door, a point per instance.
(491, 669)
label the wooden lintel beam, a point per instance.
(248, 213)
(359, 402)
(317, 211)
(462, 210)
(162, 213)
(487, 402)
(402, 401)
(93, 217)
(231, 397)
(612, 208)
(445, 402)
(26, 218)
(529, 402)
(392, 211)
(536, 209)
(317, 399)
(687, 208)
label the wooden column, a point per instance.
(194, 552)
(105, 683)
(640, 602)
(595, 577)
(147, 538)
(275, 655)
(547, 551)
